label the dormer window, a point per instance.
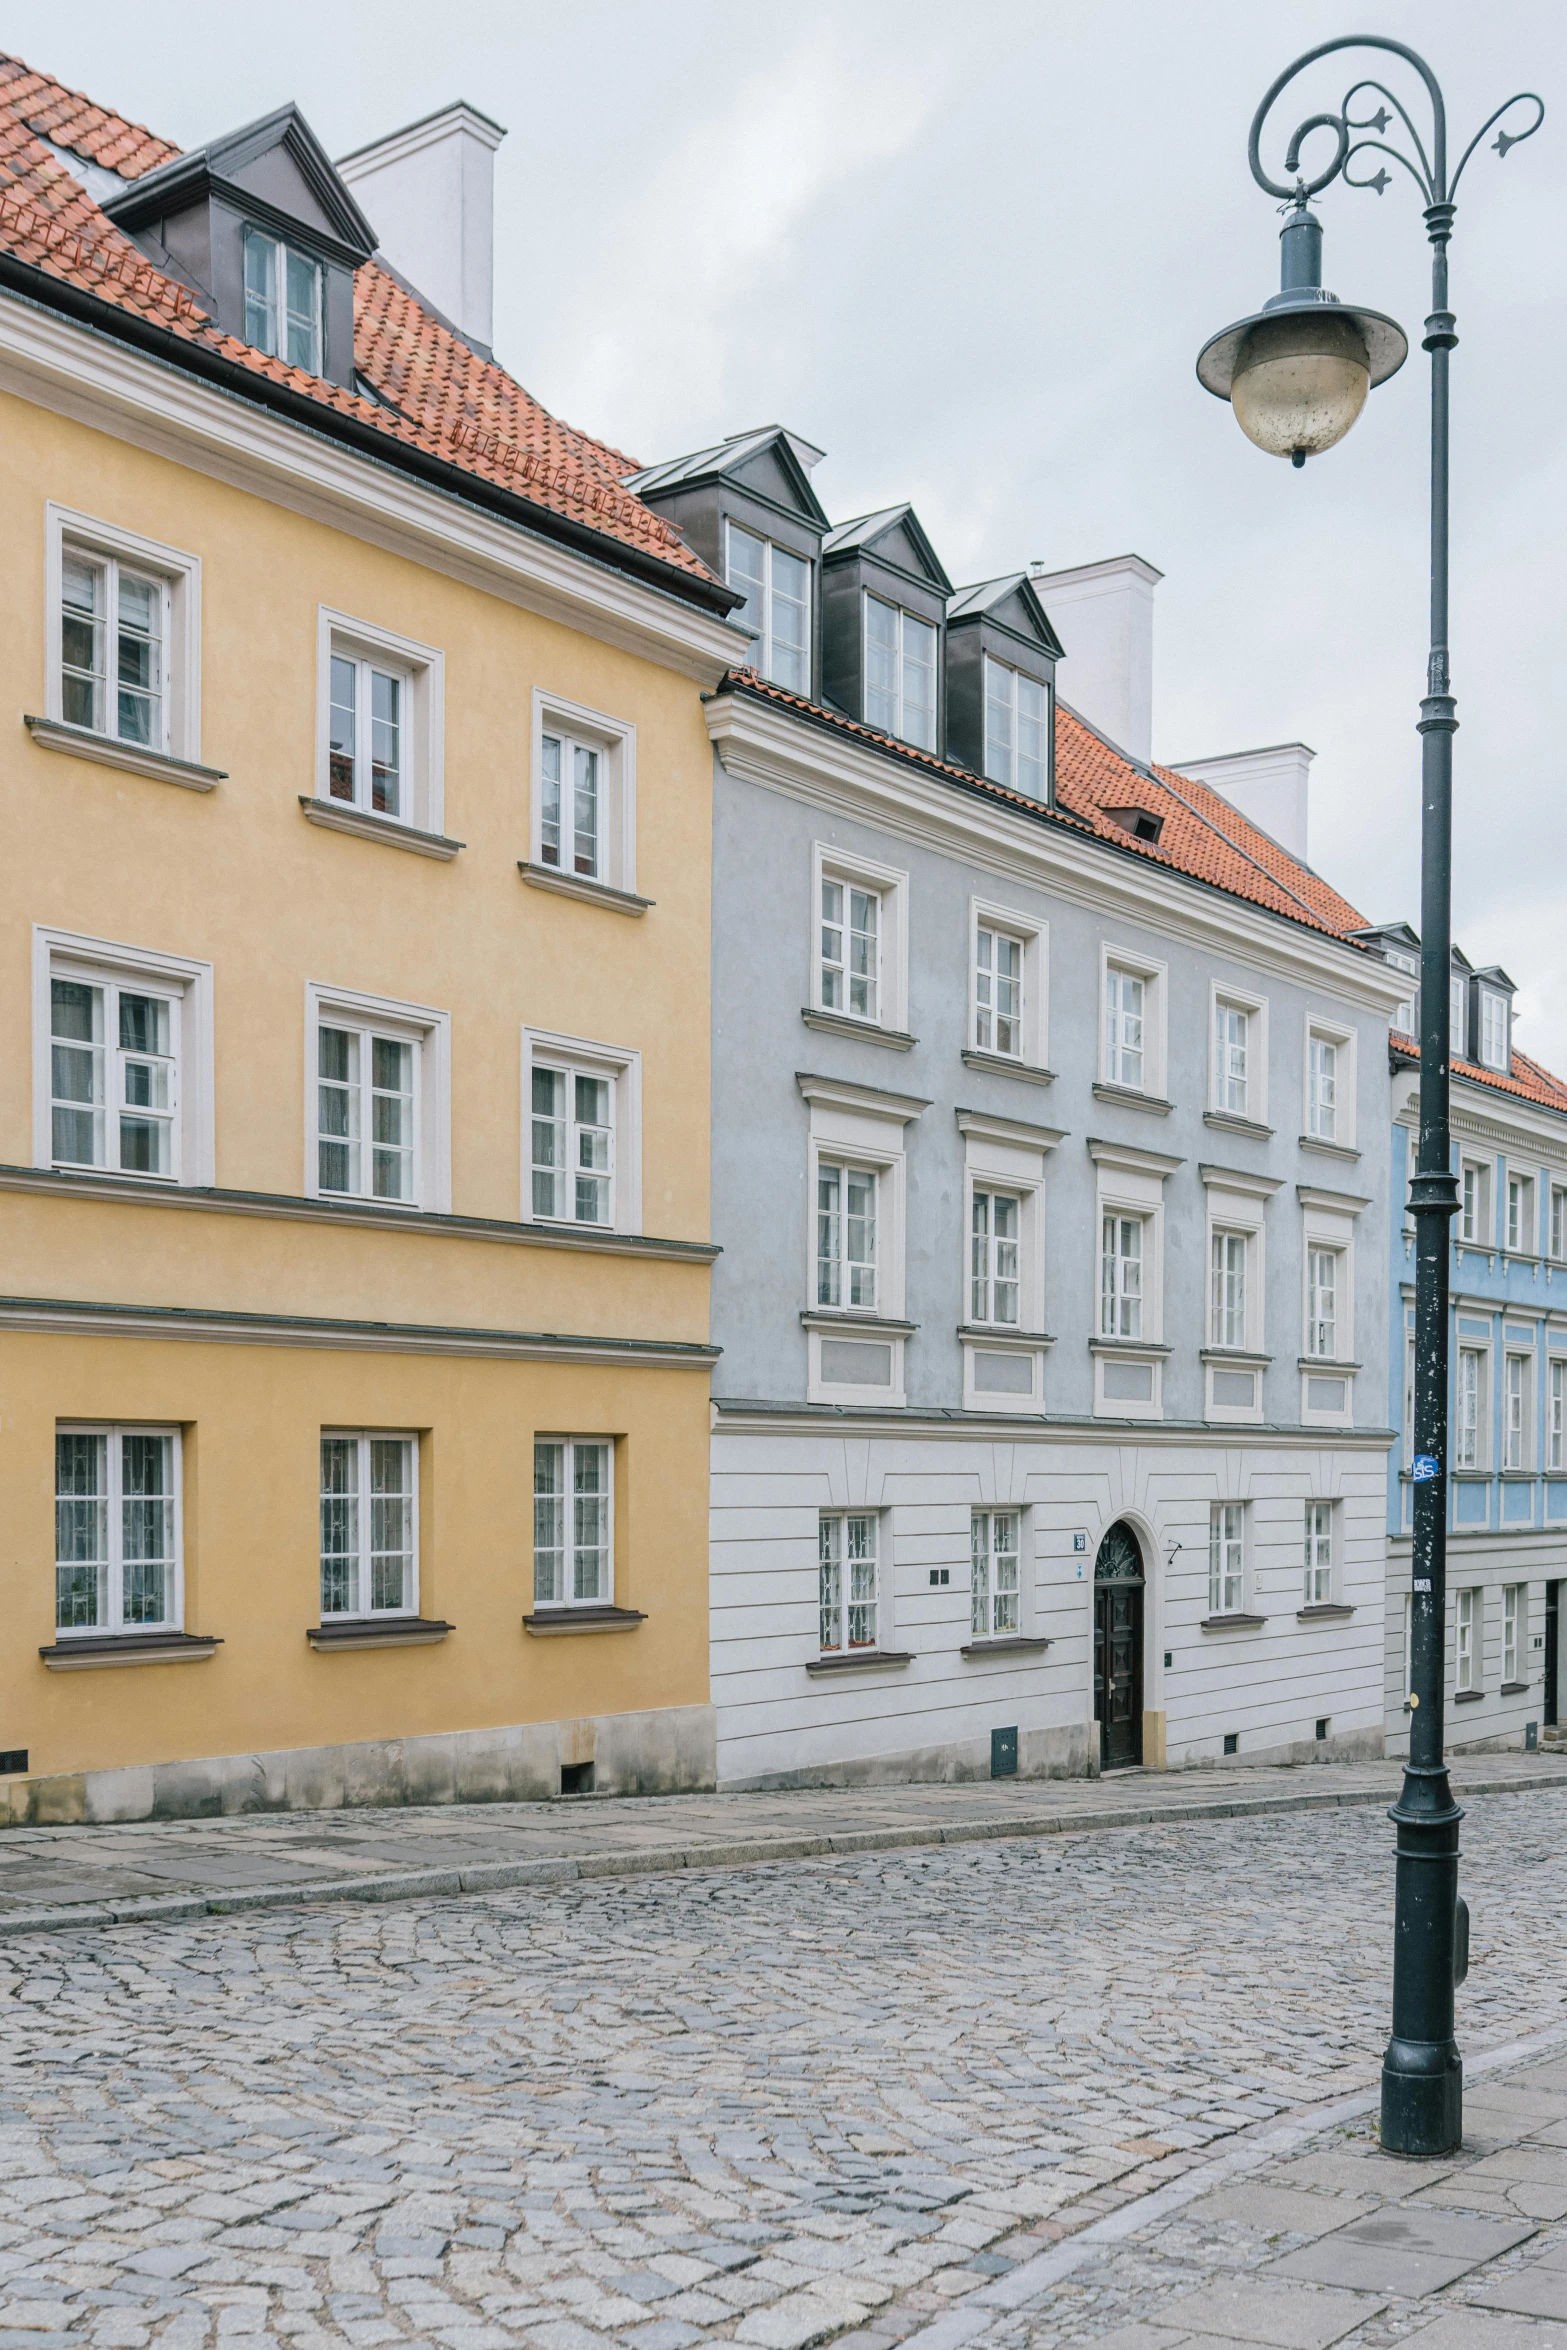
(777, 609)
(1457, 1037)
(900, 673)
(1493, 1029)
(1138, 822)
(1017, 717)
(1404, 1014)
(282, 301)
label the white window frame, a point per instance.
(1002, 1155)
(1228, 1559)
(1345, 1041)
(763, 643)
(181, 576)
(995, 1614)
(829, 863)
(622, 1066)
(1558, 1224)
(857, 1126)
(1522, 1225)
(430, 1032)
(1328, 1222)
(1468, 1636)
(1493, 1000)
(1033, 936)
(1130, 1182)
(364, 1438)
(1321, 1553)
(1254, 1011)
(1011, 782)
(1477, 1454)
(422, 670)
(1556, 1425)
(570, 1445)
(904, 615)
(1155, 977)
(1457, 1016)
(844, 1599)
(1236, 1210)
(1478, 1231)
(114, 1625)
(101, 962)
(1517, 1409)
(282, 247)
(1515, 1631)
(1315, 1251)
(615, 740)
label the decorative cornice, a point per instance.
(1016, 1131)
(1339, 1203)
(754, 1415)
(1238, 1179)
(1130, 1159)
(840, 1093)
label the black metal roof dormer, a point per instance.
(1002, 620)
(1491, 1019)
(274, 177)
(873, 665)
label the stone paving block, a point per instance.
(1275, 2211)
(1257, 2310)
(1409, 2249)
(1466, 2329)
(1535, 2291)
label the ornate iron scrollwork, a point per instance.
(1118, 1559)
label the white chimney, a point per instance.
(1270, 787)
(1103, 614)
(429, 191)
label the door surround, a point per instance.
(1120, 1587)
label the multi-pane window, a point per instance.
(573, 1487)
(1322, 1303)
(113, 1076)
(1409, 1399)
(845, 1236)
(1515, 1412)
(282, 301)
(1227, 1292)
(573, 1146)
(116, 1538)
(1403, 1019)
(1125, 997)
(1471, 1389)
(1231, 1042)
(1493, 1029)
(1556, 1433)
(777, 608)
(369, 1524)
(846, 1581)
(1457, 1010)
(1319, 1553)
(1559, 1223)
(1514, 1612)
(993, 1257)
(1226, 1558)
(1471, 1211)
(996, 1582)
(366, 736)
(366, 1112)
(998, 992)
(1322, 1088)
(114, 634)
(1017, 730)
(571, 819)
(1468, 1630)
(900, 673)
(1520, 1214)
(1121, 1277)
(850, 949)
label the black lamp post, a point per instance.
(1297, 375)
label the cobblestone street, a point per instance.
(762, 2105)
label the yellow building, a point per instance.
(354, 1083)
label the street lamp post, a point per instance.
(1297, 375)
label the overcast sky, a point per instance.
(972, 252)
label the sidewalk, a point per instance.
(145, 1871)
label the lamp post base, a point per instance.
(1422, 2097)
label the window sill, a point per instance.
(1513, 1689)
(91, 1649)
(1326, 1364)
(860, 1661)
(1467, 1696)
(1238, 1358)
(1138, 1349)
(897, 1040)
(1322, 1611)
(1131, 1099)
(52, 734)
(1228, 1123)
(379, 1632)
(1002, 1065)
(1469, 1476)
(1519, 1476)
(1238, 1622)
(992, 1333)
(1004, 1644)
(338, 816)
(1329, 1150)
(550, 1623)
(845, 1318)
(577, 885)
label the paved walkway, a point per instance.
(177, 1870)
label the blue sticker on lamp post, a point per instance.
(1426, 1467)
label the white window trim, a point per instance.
(112, 1430)
(851, 1125)
(1494, 995)
(1333, 1598)
(1555, 1436)
(622, 1065)
(363, 1438)
(570, 1444)
(1485, 1403)
(423, 669)
(994, 1509)
(1256, 1009)
(1236, 1206)
(902, 613)
(192, 982)
(1327, 1224)
(1525, 1462)
(1347, 1039)
(431, 1030)
(615, 739)
(881, 1521)
(1155, 978)
(182, 654)
(1130, 1182)
(1474, 1656)
(1005, 1155)
(1485, 1202)
(1230, 1502)
(829, 863)
(1010, 669)
(1529, 1238)
(1033, 935)
(763, 643)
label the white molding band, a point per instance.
(106, 750)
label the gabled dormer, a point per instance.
(1398, 945)
(746, 506)
(1001, 671)
(1461, 1008)
(263, 231)
(1491, 1019)
(884, 615)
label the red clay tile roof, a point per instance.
(1201, 835)
(1529, 1082)
(446, 401)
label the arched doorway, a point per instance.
(1118, 1648)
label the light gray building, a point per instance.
(1051, 1152)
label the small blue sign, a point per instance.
(1426, 1467)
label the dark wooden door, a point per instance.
(1118, 1651)
(1553, 1626)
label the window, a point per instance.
(1322, 1303)
(1227, 1293)
(1231, 1033)
(573, 1497)
(996, 1574)
(1493, 1028)
(850, 949)
(114, 635)
(366, 1113)
(1121, 1277)
(1322, 1087)
(1409, 1399)
(1319, 1553)
(369, 1524)
(1471, 1394)
(282, 301)
(845, 1235)
(117, 1529)
(900, 673)
(1472, 1205)
(1404, 1017)
(1520, 1215)
(379, 730)
(1559, 1223)
(570, 817)
(1515, 1413)
(1514, 1615)
(365, 753)
(1125, 997)
(573, 1129)
(1017, 730)
(1457, 1010)
(994, 1261)
(1469, 1626)
(1226, 1558)
(114, 1076)
(1557, 1432)
(998, 992)
(777, 608)
(846, 1564)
